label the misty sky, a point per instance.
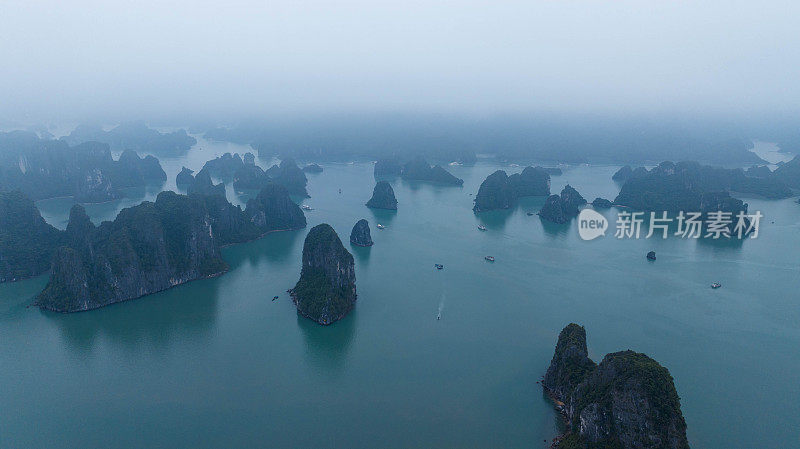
(146, 59)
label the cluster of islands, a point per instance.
(627, 400)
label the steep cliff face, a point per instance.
(382, 197)
(628, 401)
(495, 192)
(146, 249)
(326, 291)
(360, 234)
(571, 201)
(27, 242)
(561, 208)
(386, 168)
(94, 187)
(229, 223)
(419, 170)
(274, 210)
(570, 364)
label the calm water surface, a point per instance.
(216, 363)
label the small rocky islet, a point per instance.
(326, 290)
(382, 197)
(360, 235)
(628, 401)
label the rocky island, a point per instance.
(500, 191)
(419, 170)
(677, 182)
(27, 242)
(287, 174)
(146, 249)
(273, 210)
(134, 136)
(382, 197)
(326, 291)
(360, 235)
(312, 168)
(601, 203)
(560, 209)
(628, 401)
(386, 168)
(43, 168)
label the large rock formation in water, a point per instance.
(43, 168)
(225, 166)
(500, 191)
(360, 234)
(382, 197)
(287, 174)
(312, 168)
(146, 249)
(134, 136)
(675, 186)
(386, 168)
(27, 242)
(419, 170)
(560, 209)
(326, 291)
(601, 203)
(495, 192)
(273, 210)
(628, 401)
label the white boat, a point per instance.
(380, 226)
(481, 227)
(306, 207)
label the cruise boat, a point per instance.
(380, 226)
(716, 285)
(482, 227)
(489, 258)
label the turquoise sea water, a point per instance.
(216, 363)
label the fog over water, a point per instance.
(162, 61)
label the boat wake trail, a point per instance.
(441, 305)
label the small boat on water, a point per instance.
(651, 255)
(716, 285)
(489, 258)
(380, 226)
(438, 266)
(274, 298)
(306, 207)
(481, 227)
(530, 213)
